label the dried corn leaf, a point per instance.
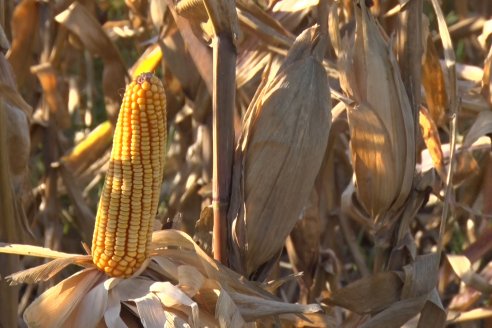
(369, 295)
(24, 31)
(433, 313)
(431, 139)
(466, 166)
(173, 297)
(462, 267)
(264, 26)
(382, 118)
(333, 29)
(91, 309)
(150, 311)
(481, 127)
(54, 307)
(475, 314)
(285, 130)
(29, 250)
(420, 276)
(303, 248)
(46, 271)
(434, 84)
(227, 312)
(252, 301)
(254, 307)
(157, 11)
(486, 78)
(190, 279)
(397, 313)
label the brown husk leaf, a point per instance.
(279, 155)
(381, 122)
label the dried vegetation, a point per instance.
(328, 163)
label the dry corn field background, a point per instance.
(248, 163)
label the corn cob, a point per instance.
(130, 195)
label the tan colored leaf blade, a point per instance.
(150, 311)
(190, 279)
(369, 295)
(171, 296)
(461, 265)
(91, 309)
(433, 313)
(46, 271)
(25, 20)
(252, 307)
(433, 83)
(475, 314)
(112, 314)
(227, 312)
(431, 138)
(421, 275)
(397, 313)
(30, 250)
(481, 127)
(54, 306)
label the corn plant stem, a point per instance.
(224, 81)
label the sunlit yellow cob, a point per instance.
(130, 195)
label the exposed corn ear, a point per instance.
(130, 195)
(90, 148)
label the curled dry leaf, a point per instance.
(24, 30)
(369, 295)
(434, 84)
(381, 123)
(431, 138)
(279, 151)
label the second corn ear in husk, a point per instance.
(381, 123)
(279, 155)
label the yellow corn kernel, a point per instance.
(130, 194)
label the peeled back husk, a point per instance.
(279, 155)
(381, 122)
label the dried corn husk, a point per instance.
(279, 155)
(381, 123)
(182, 287)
